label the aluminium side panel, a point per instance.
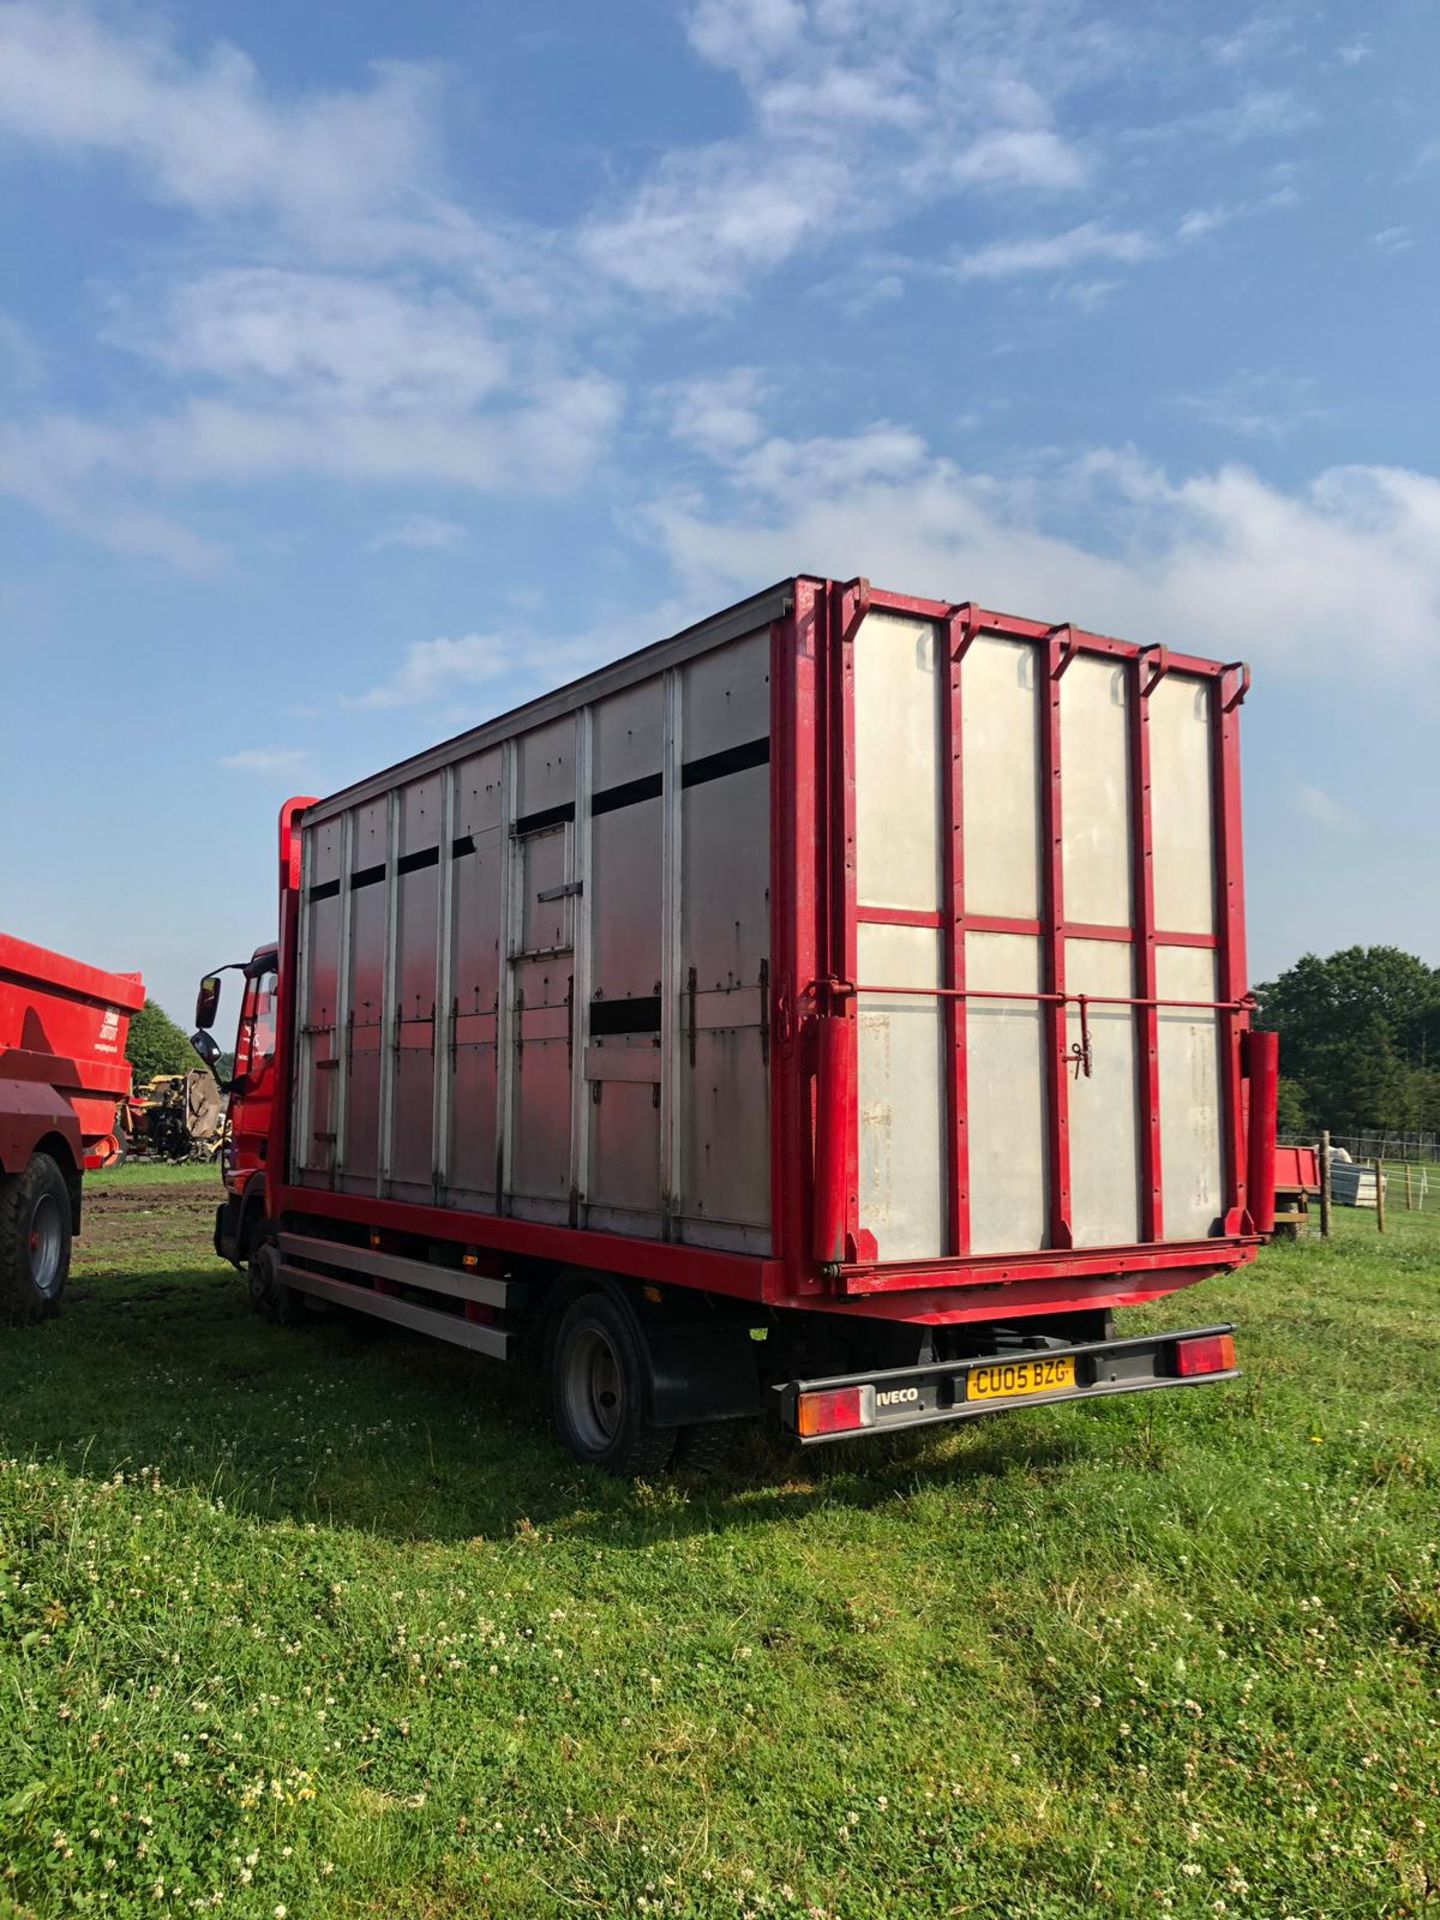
(721, 1077)
(620, 1079)
(363, 932)
(473, 1012)
(410, 1109)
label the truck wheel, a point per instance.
(269, 1295)
(597, 1386)
(34, 1241)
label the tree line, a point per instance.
(1359, 1041)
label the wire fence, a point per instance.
(1403, 1182)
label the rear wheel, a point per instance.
(34, 1240)
(597, 1383)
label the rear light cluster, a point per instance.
(1211, 1353)
(837, 1410)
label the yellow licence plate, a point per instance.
(1012, 1378)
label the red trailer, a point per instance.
(63, 1028)
(837, 1009)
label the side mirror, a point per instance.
(207, 1005)
(207, 1046)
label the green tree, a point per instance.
(1359, 1037)
(157, 1045)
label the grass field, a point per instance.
(319, 1623)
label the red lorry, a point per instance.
(835, 1010)
(63, 1028)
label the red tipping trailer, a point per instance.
(63, 1028)
(835, 1009)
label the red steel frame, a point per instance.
(822, 1255)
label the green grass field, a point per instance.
(322, 1623)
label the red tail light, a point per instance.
(1211, 1353)
(840, 1410)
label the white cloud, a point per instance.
(1258, 405)
(434, 670)
(337, 339)
(1393, 239)
(1218, 562)
(201, 132)
(265, 760)
(422, 530)
(1314, 803)
(338, 377)
(860, 117)
(718, 413)
(1053, 253)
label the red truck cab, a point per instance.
(252, 1096)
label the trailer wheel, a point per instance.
(34, 1241)
(597, 1383)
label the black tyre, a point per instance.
(269, 1294)
(34, 1241)
(597, 1387)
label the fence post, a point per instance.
(1325, 1186)
(1379, 1166)
(1409, 1194)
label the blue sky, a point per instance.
(364, 369)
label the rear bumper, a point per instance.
(895, 1399)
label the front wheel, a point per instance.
(34, 1241)
(597, 1385)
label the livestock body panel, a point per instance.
(847, 950)
(1043, 832)
(534, 977)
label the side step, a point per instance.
(296, 1249)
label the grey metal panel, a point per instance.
(478, 781)
(745, 618)
(625, 1142)
(623, 1058)
(1000, 706)
(384, 1306)
(1005, 1045)
(581, 905)
(725, 1136)
(1182, 804)
(546, 767)
(505, 1000)
(358, 1162)
(542, 1073)
(390, 1016)
(341, 1095)
(444, 989)
(670, 976)
(1105, 1103)
(546, 860)
(904, 1175)
(725, 879)
(370, 833)
(627, 856)
(898, 802)
(629, 735)
(1095, 754)
(420, 807)
(323, 848)
(473, 1009)
(1191, 1138)
(727, 696)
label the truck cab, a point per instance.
(252, 1095)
